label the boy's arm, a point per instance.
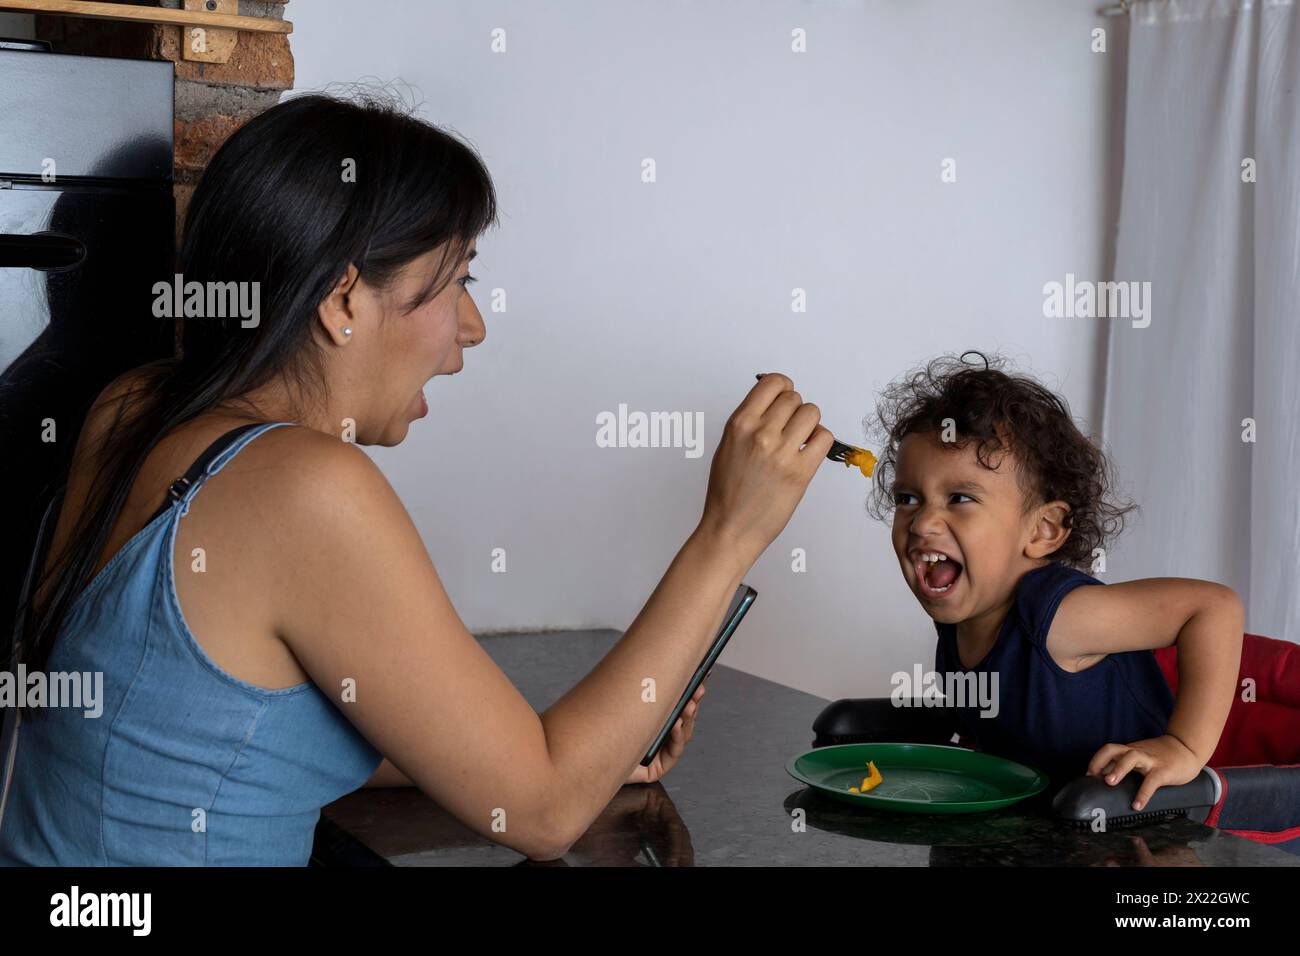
(1204, 619)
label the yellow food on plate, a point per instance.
(870, 782)
(865, 461)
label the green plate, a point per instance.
(919, 778)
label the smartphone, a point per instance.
(740, 603)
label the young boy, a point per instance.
(997, 502)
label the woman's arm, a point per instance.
(388, 776)
(365, 613)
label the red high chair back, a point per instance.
(1265, 730)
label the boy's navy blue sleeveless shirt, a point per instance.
(1048, 717)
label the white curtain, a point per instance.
(1212, 102)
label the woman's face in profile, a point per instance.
(406, 350)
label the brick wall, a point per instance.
(212, 99)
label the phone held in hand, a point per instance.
(740, 603)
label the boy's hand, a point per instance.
(1164, 760)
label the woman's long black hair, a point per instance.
(290, 199)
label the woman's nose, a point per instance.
(472, 329)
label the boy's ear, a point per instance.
(1049, 531)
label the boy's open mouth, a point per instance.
(936, 572)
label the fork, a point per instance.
(840, 451)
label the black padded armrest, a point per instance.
(1080, 800)
(861, 720)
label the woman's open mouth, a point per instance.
(936, 573)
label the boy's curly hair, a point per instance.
(1003, 412)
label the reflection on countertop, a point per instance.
(729, 801)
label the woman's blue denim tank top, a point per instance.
(185, 764)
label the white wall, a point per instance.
(775, 170)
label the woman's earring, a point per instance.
(347, 330)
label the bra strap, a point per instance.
(181, 485)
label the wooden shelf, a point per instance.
(134, 14)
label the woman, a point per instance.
(289, 639)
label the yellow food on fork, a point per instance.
(865, 461)
(871, 781)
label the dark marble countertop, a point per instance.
(729, 800)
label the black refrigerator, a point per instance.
(87, 224)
